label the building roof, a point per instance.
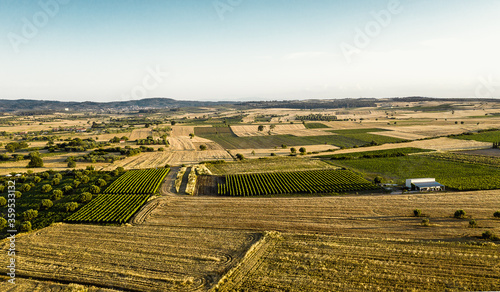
(428, 184)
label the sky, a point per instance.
(109, 50)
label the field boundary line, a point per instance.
(249, 263)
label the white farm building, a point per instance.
(424, 184)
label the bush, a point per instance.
(76, 183)
(496, 214)
(203, 147)
(71, 164)
(46, 188)
(95, 189)
(273, 154)
(25, 188)
(29, 215)
(56, 195)
(18, 194)
(46, 204)
(67, 189)
(71, 206)
(459, 214)
(377, 180)
(36, 161)
(425, 222)
(85, 197)
(85, 179)
(3, 223)
(58, 176)
(26, 226)
(101, 182)
(240, 156)
(55, 181)
(417, 212)
(2, 188)
(490, 235)
(37, 179)
(3, 201)
(472, 223)
(45, 175)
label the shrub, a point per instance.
(472, 223)
(45, 175)
(76, 183)
(25, 188)
(417, 212)
(55, 181)
(3, 223)
(273, 154)
(37, 179)
(85, 197)
(3, 201)
(18, 194)
(29, 215)
(378, 180)
(36, 161)
(240, 156)
(58, 176)
(56, 195)
(203, 147)
(302, 150)
(67, 189)
(490, 235)
(293, 150)
(425, 222)
(46, 188)
(95, 189)
(85, 179)
(71, 206)
(496, 214)
(459, 214)
(101, 182)
(2, 188)
(46, 204)
(71, 164)
(26, 226)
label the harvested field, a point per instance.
(140, 134)
(278, 151)
(160, 159)
(377, 216)
(181, 131)
(291, 129)
(23, 285)
(485, 152)
(181, 143)
(268, 165)
(332, 263)
(113, 257)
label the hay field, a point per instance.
(140, 134)
(181, 131)
(130, 258)
(290, 129)
(377, 216)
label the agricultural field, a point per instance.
(483, 136)
(109, 208)
(144, 181)
(453, 174)
(376, 153)
(297, 182)
(267, 165)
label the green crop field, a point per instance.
(310, 182)
(483, 136)
(377, 153)
(143, 181)
(315, 126)
(453, 174)
(357, 131)
(109, 208)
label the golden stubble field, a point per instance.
(347, 243)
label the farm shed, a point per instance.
(424, 184)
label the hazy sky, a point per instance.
(104, 50)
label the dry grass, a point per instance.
(131, 258)
(142, 133)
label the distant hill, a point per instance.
(43, 106)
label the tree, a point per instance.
(26, 226)
(71, 206)
(46, 188)
(85, 197)
(29, 215)
(3, 223)
(271, 127)
(191, 135)
(71, 164)
(46, 204)
(260, 128)
(101, 182)
(496, 214)
(56, 195)
(417, 212)
(3, 201)
(85, 179)
(172, 123)
(67, 189)
(240, 156)
(18, 194)
(203, 147)
(302, 150)
(95, 189)
(378, 180)
(55, 181)
(293, 150)
(37, 179)
(36, 160)
(25, 188)
(459, 214)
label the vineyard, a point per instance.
(109, 208)
(143, 181)
(310, 182)
(122, 198)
